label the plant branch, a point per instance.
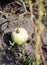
(24, 5)
(35, 31)
(42, 55)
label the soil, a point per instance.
(11, 56)
(7, 56)
(6, 27)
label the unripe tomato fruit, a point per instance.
(19, 37)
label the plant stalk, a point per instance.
(36, 33)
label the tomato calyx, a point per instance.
(17, 31)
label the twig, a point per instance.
(24, 5)
(31, 12)
(42, 55)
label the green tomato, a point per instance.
(19, 37)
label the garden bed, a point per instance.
(12, 56)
